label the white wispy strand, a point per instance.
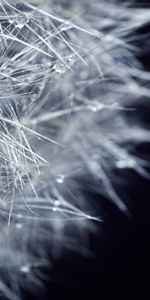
(68, 78)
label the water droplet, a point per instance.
(18, 225)
(56, 205)
(93, 108)
(66, 26)
(96, 107)
(60, 68)
(70, 60)
(60, 179)
(54, 208)
(11, 21)
(25, 269)
(21, 22)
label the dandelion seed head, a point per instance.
(69, 80)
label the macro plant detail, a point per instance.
(69, 79)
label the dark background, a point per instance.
(120, 265)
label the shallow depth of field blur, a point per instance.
(74, 134)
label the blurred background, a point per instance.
(115, 261)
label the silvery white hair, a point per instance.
(69, 79)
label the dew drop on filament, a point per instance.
(60, 179)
